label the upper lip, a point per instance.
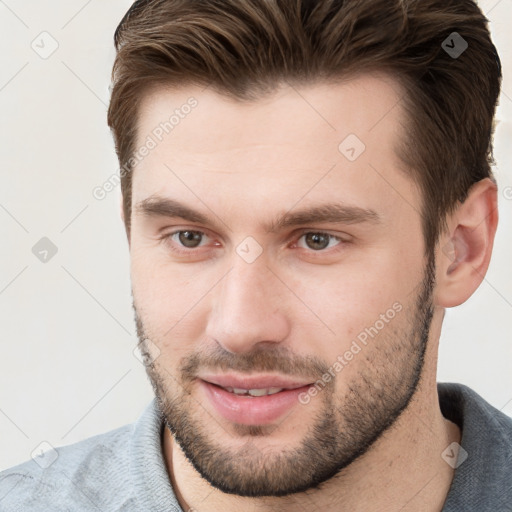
(254, 381)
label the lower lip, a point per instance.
(248, 410)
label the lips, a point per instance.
(254, 382)
(245, 409)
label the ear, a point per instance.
(464, 250)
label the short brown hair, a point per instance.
(245, 48)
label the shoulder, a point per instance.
(478, 419)
(86, 475)
(483, 475)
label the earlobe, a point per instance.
(464, 251)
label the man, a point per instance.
(306, 188)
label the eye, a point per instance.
(186, 238)
(319, 241)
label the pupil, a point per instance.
(317, 240)
(190, 238)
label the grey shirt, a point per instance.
(124, 469)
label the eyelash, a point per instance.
(167, 239)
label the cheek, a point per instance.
(171, 300)
(351, 298)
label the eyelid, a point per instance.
(322, 231)
(344, 237)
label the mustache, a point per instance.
(279, 359)
(263, 360)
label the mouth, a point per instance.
(256, 392)
(252, 392)
(252, 405)
(255, 385)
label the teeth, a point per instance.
(254, 392)
(258, 392)
(273, 391)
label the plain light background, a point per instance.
(67, 366)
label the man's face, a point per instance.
(250, 288)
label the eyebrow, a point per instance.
(157, 206)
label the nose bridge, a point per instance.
(249, 284)
(246, 308)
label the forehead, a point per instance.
(297, 113)
(298, 142)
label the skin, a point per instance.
(372, 438)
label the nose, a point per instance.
(248, 308)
